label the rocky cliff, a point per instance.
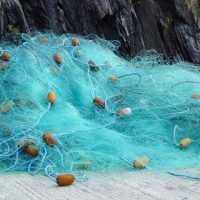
(172, 27)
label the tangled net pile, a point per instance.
(87, 134)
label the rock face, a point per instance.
(172, 27)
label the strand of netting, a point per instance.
(70, 104)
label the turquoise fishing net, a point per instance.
(89, 138)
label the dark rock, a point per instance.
(172, 27)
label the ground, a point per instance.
(144, 186)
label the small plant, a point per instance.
(193, 6)
(136, 2)
(167, 23)
(1, 2)
(13, 28)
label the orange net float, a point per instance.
(141, 162)
(5, 56)
(93, 66)
(113, 79)
(43, 40)
(65, 179)
(30, 150)
(195, 96)
(75, 42)
(49, 140)
(185, 142)
(51, 97)
(57, 58)
(99, 102)
(124, 112)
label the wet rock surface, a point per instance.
(172, 27)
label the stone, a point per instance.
(171, 27)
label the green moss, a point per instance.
(136, 2)
(192, 5)
(167, 23)
(2, 1)
(13, 28)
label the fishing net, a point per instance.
(108, 111)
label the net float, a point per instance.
(124, 112)
(30, 150)
(113, 79)
(51, 97)
(99, 102)
(185, 142)
(57, 58)
(141, 162)
(75, 42)
(48, 139)
(93, 66)
(7, 106)
(195, 96)
(6, 56)
(65, 179)
(43, 40)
